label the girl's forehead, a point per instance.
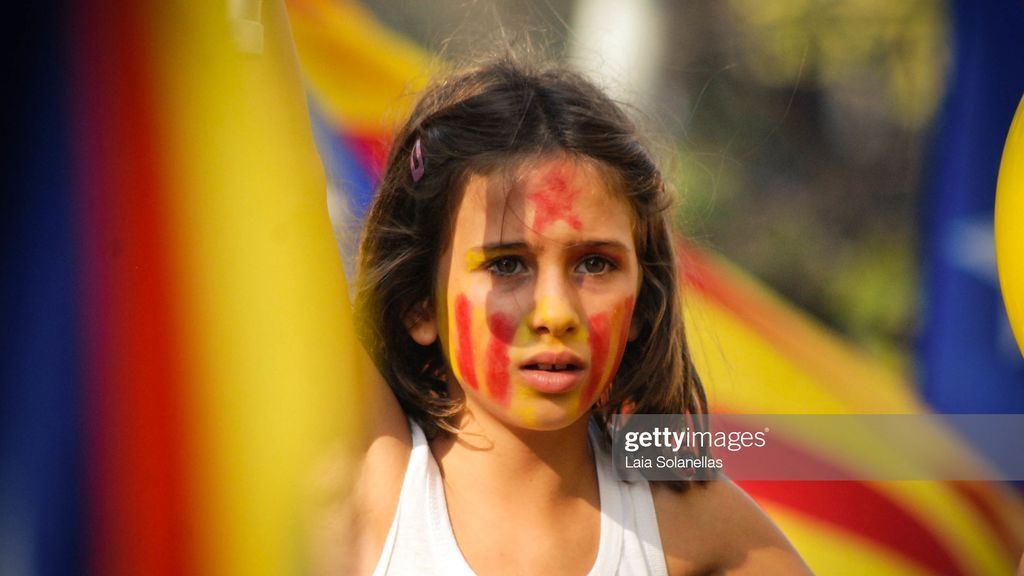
(551, 195)
(545, 182)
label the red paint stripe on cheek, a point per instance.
(502, 331)
(624, 317)
(464, 338)
(598, 341)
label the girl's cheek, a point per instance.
(597, 339)
(503, 331)
(607, 340)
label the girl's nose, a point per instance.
(554, 310)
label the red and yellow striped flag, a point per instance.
(222, 367)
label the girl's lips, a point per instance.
(552, 372)
(551, 381)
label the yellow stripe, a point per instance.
(273, 374)
(742, 371)
(361, 73)
(967, 535)
(830, 550)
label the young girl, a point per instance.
(517, 287)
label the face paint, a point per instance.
(464, 336)
(475, 259)
(597, 339)
(600, 339)
(553, 201)
(496, 321)
(503, 330)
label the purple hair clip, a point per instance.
(416, 163)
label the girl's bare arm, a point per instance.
(716, 528)
(378, 482)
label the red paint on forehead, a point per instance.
(553, 199)
(464, 341)
(503, 330)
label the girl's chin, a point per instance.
(549, 424)
(530, 409)
(543, 415)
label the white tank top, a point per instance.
(421, 540)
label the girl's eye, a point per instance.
(506, 266)
(594, 265)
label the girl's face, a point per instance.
(536, 292)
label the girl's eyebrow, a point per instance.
(606, 244)
(500, 246)
(476, 256)
(514, 246)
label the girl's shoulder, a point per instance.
(717, 528)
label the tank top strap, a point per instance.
(420, 540)
(631, 509)
(415, 471)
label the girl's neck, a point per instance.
(508, 489)
(556, 463)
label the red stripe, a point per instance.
(464, 352)
(137, 478)
(859, 508)
(503, 330)
(370, 150)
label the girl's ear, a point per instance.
(421, 323)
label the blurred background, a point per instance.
(180, 385)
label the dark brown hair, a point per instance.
(469, 123)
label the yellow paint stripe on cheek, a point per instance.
(452, 338)
(614, 343)
(523, 408)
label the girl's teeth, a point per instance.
(552, 367)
